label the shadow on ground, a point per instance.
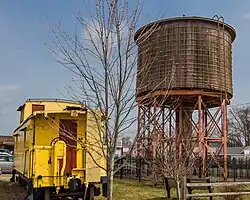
(160, 198)
(10, 191)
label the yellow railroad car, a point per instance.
(58, 150)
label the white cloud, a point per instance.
(8, 93)
(9, 88)
(246, 16)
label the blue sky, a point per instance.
(28, 69)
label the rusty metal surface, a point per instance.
(189, 97)
(206, 126)
(186, 53)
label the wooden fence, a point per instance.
(187, 195)
(137, 168)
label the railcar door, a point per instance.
(68, 133)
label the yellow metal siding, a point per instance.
(95, 146)
(42, 156)
(21, 162)
(42, 167)
(49, 106)
(45, 131)
(81, 129)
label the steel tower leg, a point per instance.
(209, 126)
(224, 135)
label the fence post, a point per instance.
(200, 170)
(234, 169)
(208, 171)
(139, 169)
(184, 188)
(130, 165)
(137, 166)
(148, 169)
(121, 170)
(246, 164)
(248, 167)
(241, 167)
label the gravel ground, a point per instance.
(10, 190)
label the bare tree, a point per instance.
(176, 157)
(103, 60)
(239, 126)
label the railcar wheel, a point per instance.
(38, 194)
(13, 177)
(47, 194)
(20, 181)
(29, 197)
(90, 192)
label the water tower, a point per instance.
(184, 81)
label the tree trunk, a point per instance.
(178, 190)
(110, 173)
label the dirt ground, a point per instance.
(10, 190)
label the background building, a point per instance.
(6, 142)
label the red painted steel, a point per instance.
(68, 133)
(37, 107)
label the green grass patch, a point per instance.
(133, 190)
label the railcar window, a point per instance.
(16, 140)
(21, 115)
(24, 137)
(37, 107)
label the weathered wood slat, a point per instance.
(198, 179)
(218, 184)
(218, 194)
(200, 188)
